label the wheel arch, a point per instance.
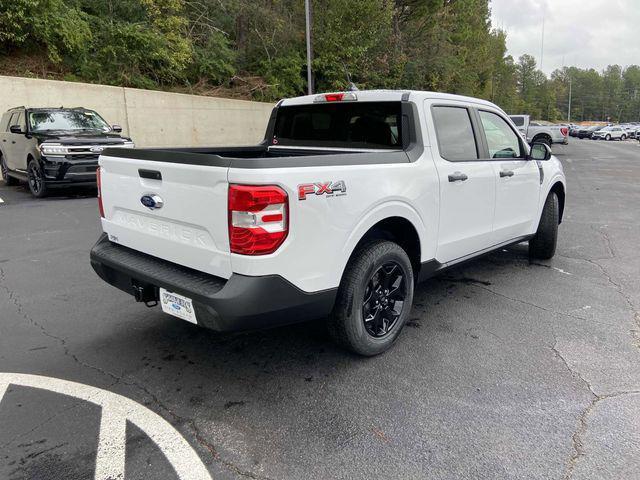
(544, 135)
(396, 222)
(559, 190)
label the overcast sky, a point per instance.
(582, 33)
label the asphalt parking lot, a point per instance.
(507, 369)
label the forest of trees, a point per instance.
(256, 49)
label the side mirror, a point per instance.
(15, 129)
(116, 128)
(540, 151)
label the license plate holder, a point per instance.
(177, 305)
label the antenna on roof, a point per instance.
(351, 87)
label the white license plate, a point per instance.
(177, 305)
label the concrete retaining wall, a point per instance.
(151, 118)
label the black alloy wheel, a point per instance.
(36, 180)
(384, 299)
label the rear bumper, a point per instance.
(240, 303)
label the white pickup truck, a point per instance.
(538, 132)
(350, 200)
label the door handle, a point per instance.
(457, 177)
(506, 173)
(13, 141)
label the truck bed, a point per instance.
(261, 156)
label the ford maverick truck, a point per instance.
(350, 200)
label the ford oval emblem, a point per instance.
(96, 149)
(152, 201)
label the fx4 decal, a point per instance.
(330, 189)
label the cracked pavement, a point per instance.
(507, 369)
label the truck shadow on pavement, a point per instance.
(232, 369)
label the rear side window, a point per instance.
(342, 125)
(455, 134)
(518, 121)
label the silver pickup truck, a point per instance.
(536, 132)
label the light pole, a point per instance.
(307, 13)
(569, 110)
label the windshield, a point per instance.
(346, 125)
(76, 120)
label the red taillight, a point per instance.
(258, 218)
(564, 131)
(99, 182)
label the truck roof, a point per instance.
(46, 108)
(390, 96)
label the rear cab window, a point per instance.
(358, 125)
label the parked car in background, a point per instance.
(630, 129)
(535, 132)
(573, 131)
(610, 133)
(586, 132)
(54, 147)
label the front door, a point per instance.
(467, 185)
(518, 179)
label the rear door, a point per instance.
(467, 184)
(9, 142)
(173, 207)
(518, 179)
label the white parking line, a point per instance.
(110, 459)
(116, 410)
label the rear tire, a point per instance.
(8, 181)
(374, 299)
(37, 185)
(543, 245)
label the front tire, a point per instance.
(608, 137)
(374, 299)
(543, 245)
(8, 181)
(37, 185)
(623, 138)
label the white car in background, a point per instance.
(610, 133)
(540, 132)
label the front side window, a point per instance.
(455, 134)
(501, 140)
(66, 120)
(518, 121)
(20, 120)
(13, 120)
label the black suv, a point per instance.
(54, 147)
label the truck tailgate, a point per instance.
(189, 227)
